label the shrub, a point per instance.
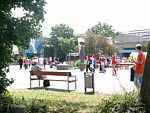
(5, 101)
(126, 103)
(78, 62)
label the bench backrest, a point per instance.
(50, 73)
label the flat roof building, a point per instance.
(127, 43)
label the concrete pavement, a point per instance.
(104, 83)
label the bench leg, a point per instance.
(68, 81)
(75, 83)
(68, 85)
(30, 83)
(30, 80)
(39, 82)
(85, 90)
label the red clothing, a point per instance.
(114, 66)
(100, 67)
(50, 62)
(114, 60)
(93, 56)
(139, 68)
(26, 61)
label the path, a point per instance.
(104, 83)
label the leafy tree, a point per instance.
(17, 31)
(66, 45)
(98, 43)
(62, 40)
(48, 49)
(145, 46)
(62, 30)
(104, 29)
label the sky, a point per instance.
(123, 15)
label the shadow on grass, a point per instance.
(89, 93)
(43, 106)
(52, 89)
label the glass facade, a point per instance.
(35, 47)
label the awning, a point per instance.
(126, 51)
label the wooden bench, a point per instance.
(52, 73)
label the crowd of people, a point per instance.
(91, 63)
(102, 63)
(136, 71)
(27, 62)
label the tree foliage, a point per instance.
(104, 29)
(98, 44)
(17, 30)
(61, 40)
(62, 30)
(66, 45)
(97, 41)
(145, 46)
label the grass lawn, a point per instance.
(47, 101)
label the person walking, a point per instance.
(91, 64)
(26, 63)
(103, 64)
(94, 62)
(20, 62)
(139, 67)
(44, 63)
(29, 62)
(87, 63)
(114, 65)
(100, 66)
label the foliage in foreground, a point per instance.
(43, 101)
(17, 31)
(126, 103)
(5, 100)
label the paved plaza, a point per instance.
(104, 82)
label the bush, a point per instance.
(126, 103)
(5, 101)
(78, 62)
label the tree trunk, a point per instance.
(55, 52)
(145, 89)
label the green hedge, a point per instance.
(126, 103)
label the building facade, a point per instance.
(127, 43)
(143, 33)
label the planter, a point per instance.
(62, 66)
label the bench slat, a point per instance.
(50, 73)
(54, 80)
